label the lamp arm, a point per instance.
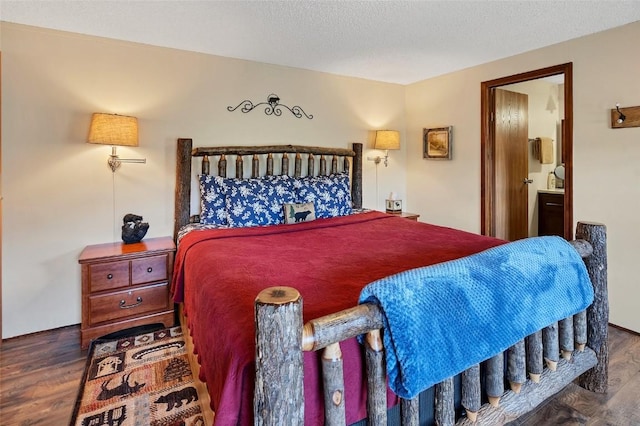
(133, 160)
(114, 161)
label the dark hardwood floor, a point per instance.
(40, 375)
(618, 407)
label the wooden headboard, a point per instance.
(261, 155)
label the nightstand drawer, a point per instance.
(107, 276)
(149, 269)
(126, 303)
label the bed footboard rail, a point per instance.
(537, 367)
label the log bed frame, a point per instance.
(537, 367)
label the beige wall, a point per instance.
(58, 190)
(606, 171)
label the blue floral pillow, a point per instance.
(330, 194)
(213, 209)
(258, 202)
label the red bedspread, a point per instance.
(218, 274)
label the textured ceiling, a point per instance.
(392, 41)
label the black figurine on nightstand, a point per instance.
(133, 230)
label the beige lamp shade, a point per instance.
(387, 139)
(113, 129)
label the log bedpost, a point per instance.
(566, 335)
(206, 165)
(297, 165)
(471, 392)
(311, 165)
(333, 381)
(239, 167)
(222, 166)
(444, 403)
(551, 346)
(598, 313)
(535, 362)
(334, 165)
(183, 185)
(410, 411)
(270, 164)
(376, 379)
(356, 179)
(516, 366)
(278, 317)
(580, 330)
(495, 379)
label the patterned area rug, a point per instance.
(138, 380)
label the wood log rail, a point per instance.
(523, 359)
(274, 149)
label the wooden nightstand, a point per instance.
(407, 215)
(125, 285)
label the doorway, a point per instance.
(494, 161)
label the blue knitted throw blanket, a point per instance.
(444, 318)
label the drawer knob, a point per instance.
(123, 303)
(109, 276)
(149, 269)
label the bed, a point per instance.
(241, 279)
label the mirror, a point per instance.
(559, 173)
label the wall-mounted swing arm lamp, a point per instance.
(115, 130)
(386, 140)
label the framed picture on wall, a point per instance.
(437, 143)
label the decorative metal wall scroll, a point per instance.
(273, 107)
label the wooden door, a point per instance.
(487, 150)
(511, 136)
